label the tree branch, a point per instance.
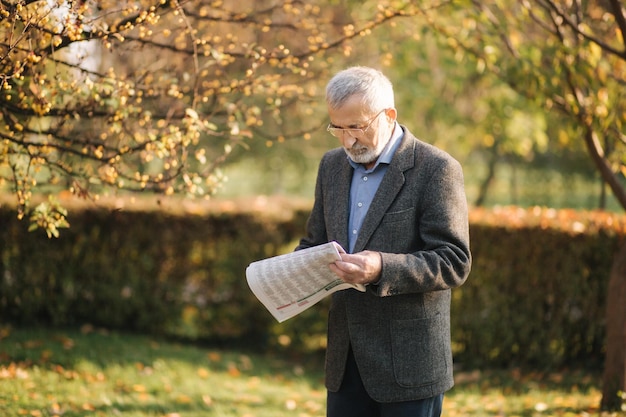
(575, 27)
(620, 17)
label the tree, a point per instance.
(153, 95)
(570, 57)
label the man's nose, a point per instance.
(348, 140)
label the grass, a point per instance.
(99, 373)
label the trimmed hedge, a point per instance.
(537, 292)
(159, 272)
(535, 297)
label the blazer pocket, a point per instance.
(399, 216)
(396, 231)
(419, 351)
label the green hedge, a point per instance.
(156, 272)
(535, 297)
(536, 294)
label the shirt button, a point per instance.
(364, 178)
(360, 204)
(354, 232)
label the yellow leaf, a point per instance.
(183, 399)
(203, 373)
(290, 404)
(233, 371)
(191, 113)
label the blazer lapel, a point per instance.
(392, 183)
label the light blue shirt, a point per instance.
(365, 183)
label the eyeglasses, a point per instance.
(354, 132)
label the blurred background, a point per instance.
(151, 149)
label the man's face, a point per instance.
(367, 130)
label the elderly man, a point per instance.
(398, 206)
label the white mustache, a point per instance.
(357, 147)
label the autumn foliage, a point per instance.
(153, 95)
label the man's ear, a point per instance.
(392, 114)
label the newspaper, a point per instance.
(291, 283)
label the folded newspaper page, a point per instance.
(291, 283)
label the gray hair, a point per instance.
(371, 84)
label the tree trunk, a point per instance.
(491, 174)
(597, 154)
(614, 379)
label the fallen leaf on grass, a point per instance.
(291, 405)
(65, 341)
(203, 373)
(5, 331)
(183, 399)
(139, 388)
(13, 371)
(233, 370)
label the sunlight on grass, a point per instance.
(50, 373)
(44, 374)
(530, 394)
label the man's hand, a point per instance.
(358, 268)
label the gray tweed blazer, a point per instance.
(399, 329)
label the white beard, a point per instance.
(364, 155)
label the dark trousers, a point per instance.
(353, 401)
